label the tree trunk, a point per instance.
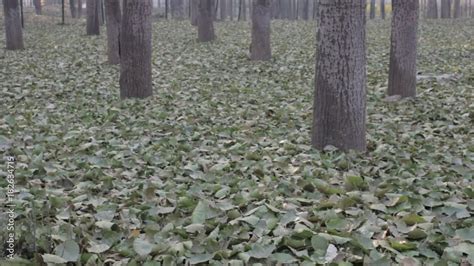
(135, 44)
(231, 7)
(457, 9)
(223, 4)
(13, 30)
(339, 111)
(382, 9)
(79, 8)
(194, 12)
(432, 9)
(372, 9)
(205, 21)
(260, 49)
(93, 27)
(402, 72)
(38, 7)
(177, 9)
(305, 10)
(100, 10)
(72, 7)
(114, 18)
(445, 8)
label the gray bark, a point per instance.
(177, 9)
(457, 9)
(223, 7)
(38, 7)
(79, 8)
(372, 9)
(260, 49)
(205, 21)
(194, 12)
(402, 72)
(72, 7)
(339, 111)
(382, 9)
(445, 8)
(13, 30)
(432, 9)
(114, 18)
(93, 27)
(136, 50)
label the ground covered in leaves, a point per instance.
(216, 168)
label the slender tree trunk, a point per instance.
(205, 21)
(231, 7)
(93, 27)
(339, 112)
(382, 9)
(445, 8)
(38, 7)
(402, 72)
(305, 10)
(194, 12)
(114, 18)
(72, 7)
(177, 9)
(223, 4)
(372, 9)
(135, 44)
(457, 9)
(432, 9)
(100, 6)
(13, 30)
(79, 8)
(260, 49)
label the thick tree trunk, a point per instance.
(445, 8)
(194, 12)
(402, 72)
(260, 49)
(72, 7)
(79, 8)
(457, 9)
(432, 9)
(114, 18)
(93, 27)
(38, 7)
(382, 9)
(13, 30)
(223, 4)
(372, 9)
(205, 21)
(339, 112)
(135, 44)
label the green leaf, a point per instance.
(142, 247)
(68, 250)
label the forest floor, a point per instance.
(217, 166)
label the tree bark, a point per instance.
(372, 9)
(305, 10)
(79, 8)
(260, 49)
(93, 27)
(402, 72)
(194, 12)
(445, 8)
(432, 9)
(72, 7)
(223, 4)
(136, 50)
(13, 30)
(457, 9)
(38, 7)
(177, 9)
(382, 9)
(114, 18)
(339, 110)
(205, 21)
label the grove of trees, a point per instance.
(237, 132)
